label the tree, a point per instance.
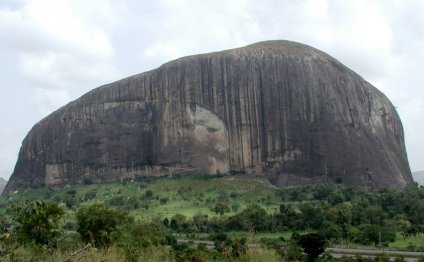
(96, 222)
(253, 216)
(311, 216)
(235, 207)
(135, 236)
(313, 245)
(201, 222)
(177, 221)
(403, 224)
(288, 217)
(221, 207)
(36, 222)
(374, 215)
(375, 234)
(341, 215)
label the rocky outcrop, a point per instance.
(278, 109)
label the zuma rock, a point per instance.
(277, 109)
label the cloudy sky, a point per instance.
(52, 52)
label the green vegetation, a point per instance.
(97, 222)
(142, 220)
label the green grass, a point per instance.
(187, 195)
(256, 237)
(408, 243)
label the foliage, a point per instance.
(178, 222)
(229, 248)
(186, 204)
(374, 234)
(313, 245)
(96, 223)
(36, 222)
(293, 252)
(221, 208)
(184, 252)
(136, 236)
(253, 217)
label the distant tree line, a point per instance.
(356, 215)
(328, 214)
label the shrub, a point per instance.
(149, 193)
(135, 236)
(90, 195)
(177, 222)
(96, 222)
(221, 208)
(36, 222)
(313, 245)
(164, 200)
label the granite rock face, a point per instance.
(278, 109)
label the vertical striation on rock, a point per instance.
(278, 109)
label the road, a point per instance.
(408, 255)
(337, 252)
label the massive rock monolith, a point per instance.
(277, 109)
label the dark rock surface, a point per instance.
(278, 109)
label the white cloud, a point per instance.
(61, 44)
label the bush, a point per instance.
(149, 193)
(253, 216)
(36, 222)
(184, 252)
(96, 223)
(313, 245)
(90, 195)
(272, 243)
(221, 208)
(117, 201)
(164, 200)
(372, 234)
(135, 236)
(238, 247)
(293, 252)
(177, 222)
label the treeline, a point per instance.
(328, 214)
(351, 214)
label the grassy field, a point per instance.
(184, 195)
(408, 243)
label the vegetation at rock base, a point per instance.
(97, 222)
(129, 221)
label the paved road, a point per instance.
(338, 252)
(408, 255)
